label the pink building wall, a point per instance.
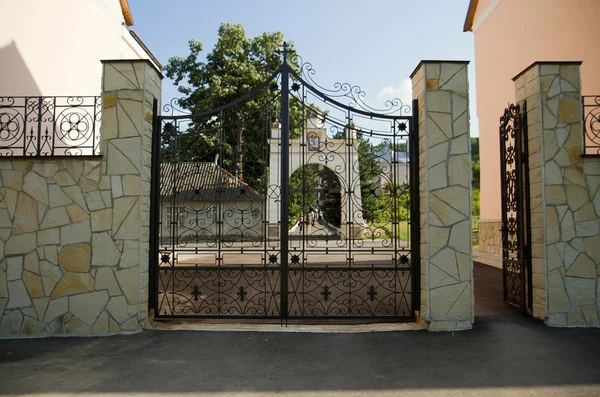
(512, 36)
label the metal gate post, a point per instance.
(285, 165)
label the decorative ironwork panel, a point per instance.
(50, 126)
(591, 124)
(292, 201)
(515, 209)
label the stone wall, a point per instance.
(441, 87)
(565, 203)
(74, 232)
(490, 237)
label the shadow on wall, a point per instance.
(16, 78)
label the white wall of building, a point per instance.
(54, 47)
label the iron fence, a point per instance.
(591, 124)
(50, 126)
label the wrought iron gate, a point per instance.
(516, 233)
(293, 201)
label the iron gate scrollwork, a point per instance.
(319, 221)
(516, 237)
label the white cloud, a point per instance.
(402, 91)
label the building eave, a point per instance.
(468, 26)
(126, 12)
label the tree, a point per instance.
(235, 66)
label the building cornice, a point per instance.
(126, 12)
(477, 23)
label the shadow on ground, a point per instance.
(504, 350)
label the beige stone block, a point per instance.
(582, 291)
(58, 197)
(20, 244)
(10, 324)
(33, 283)
(22, 165)
(555, 195)
(109, 99)
(575, 317)
(40, 305)
(459, 171)
(438, 177)
(74, 233)
(102, 220)
(453, 302)
(120, 76)
(546, 82)
(12, 179)
(72, 284)
(129, 227)
(538, 265)
(74, 192)
(94, 200)
(50, 276)
(567, 87)
(569, 110)
(56, 307)
(88, 306)
(585, 213)
(592, 247)
(118, 308)
(77, 214)
(575, 175)
(567, 227)
(558, 300)
(129, 116)
(75, 258)
(443, 269)
(104, 250)
(36, 186)
(552, 226)
(131, 185)
(14, 268)
(101, 326)
(590, 313)
(557, 319)
(31, 262)
(583, 267)
(88, 185)
(105, 279)
(128, 281)
(55, 217)
(453, 77)
(587, 228)
(553, 173)
(17, 295)
(554, 259)
(113, 326)
(63, 178)
(460, 237)
(26, 219)
(76, 327)
(570, 73)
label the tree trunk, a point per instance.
(239, 149)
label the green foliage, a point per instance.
(399, 147)
(475, 202)
(475, 165)
(236, 65)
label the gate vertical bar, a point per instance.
(285, 165)
(525, 211)
(415, 209)
(154, 209)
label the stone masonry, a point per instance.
(441, 88)
(565, 199)
(74, 232)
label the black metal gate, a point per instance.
(516, 233)
(293, 201)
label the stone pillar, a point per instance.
(441, 88)
(565, 203)
(129, 88)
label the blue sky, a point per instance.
(374, 44)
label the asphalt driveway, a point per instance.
(506, 354)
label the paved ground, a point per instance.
(506, 354)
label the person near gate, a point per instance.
(301, 223)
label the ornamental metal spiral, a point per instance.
(591, 124)
(514, 170)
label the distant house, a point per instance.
(395, 165)
(54, 48)
(509, 36)
(200, 201)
